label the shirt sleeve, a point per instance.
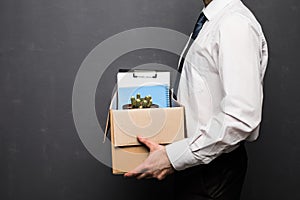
(238, 65)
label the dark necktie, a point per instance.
(201, 20)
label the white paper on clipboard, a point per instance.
(145, 82)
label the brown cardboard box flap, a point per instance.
(161, 125)
(125, 159)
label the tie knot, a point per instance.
(201, 20)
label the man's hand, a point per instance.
(157, 165)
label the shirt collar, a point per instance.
(215, 7)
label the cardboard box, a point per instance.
(162, 125)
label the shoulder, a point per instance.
(239, 19)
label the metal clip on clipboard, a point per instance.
(144, 74)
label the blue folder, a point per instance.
(157, 85)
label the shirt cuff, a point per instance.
(180, 155)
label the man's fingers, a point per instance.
(129, 174)
(151, 145)
(149, 174)
(137, 171)
(162, 175)
(156, 173)
(144, 175)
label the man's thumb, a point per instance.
(151, 145)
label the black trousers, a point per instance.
(221, 179)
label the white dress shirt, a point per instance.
(221, 85)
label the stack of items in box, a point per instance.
(132, 115)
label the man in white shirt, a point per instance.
(221, 87)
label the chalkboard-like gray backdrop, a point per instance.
(42, 44)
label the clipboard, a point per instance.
(145, 82)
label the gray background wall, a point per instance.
(42, 44)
